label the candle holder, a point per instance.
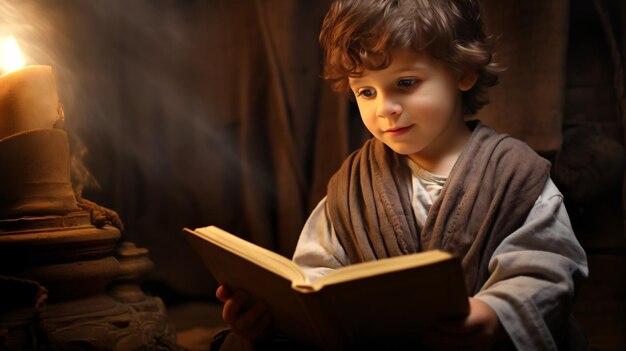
(66, 280)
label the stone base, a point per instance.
(67, 285)
(94, 323)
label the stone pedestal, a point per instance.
(69, 285)
(66, 281)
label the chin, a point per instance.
(404, 149)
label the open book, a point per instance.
(379, 302)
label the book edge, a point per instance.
(253, 253)
(378, 267)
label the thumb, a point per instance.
(222, 293)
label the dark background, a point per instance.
(188, 113)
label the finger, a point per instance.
(480, 316)
(222, 293)
(233, 307)
(248, 320)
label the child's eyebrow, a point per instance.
(356, 81)
(411, 68)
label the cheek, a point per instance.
(434, 106)
(368, 115)
(427, 107)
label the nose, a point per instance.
(388, 107)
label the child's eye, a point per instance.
(408, 82)
(366, 93)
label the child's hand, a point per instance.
(478, 331)
(243, 315)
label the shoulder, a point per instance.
(550, 192)
(509, 149)
(503, 140)
(549, 204)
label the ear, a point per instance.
(467, 80)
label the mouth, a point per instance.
(395, 131)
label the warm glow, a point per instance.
(11, 57)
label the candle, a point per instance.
(35, 178)
(28, 95)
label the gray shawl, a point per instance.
(488, 195)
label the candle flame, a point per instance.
(11, 57)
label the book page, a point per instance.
(256, 254)
(372, 268)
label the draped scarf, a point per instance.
(488, 195)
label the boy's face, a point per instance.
(413, 106)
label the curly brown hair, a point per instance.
(360, 35)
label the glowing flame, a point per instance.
(11, 57)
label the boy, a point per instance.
(428, 179)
